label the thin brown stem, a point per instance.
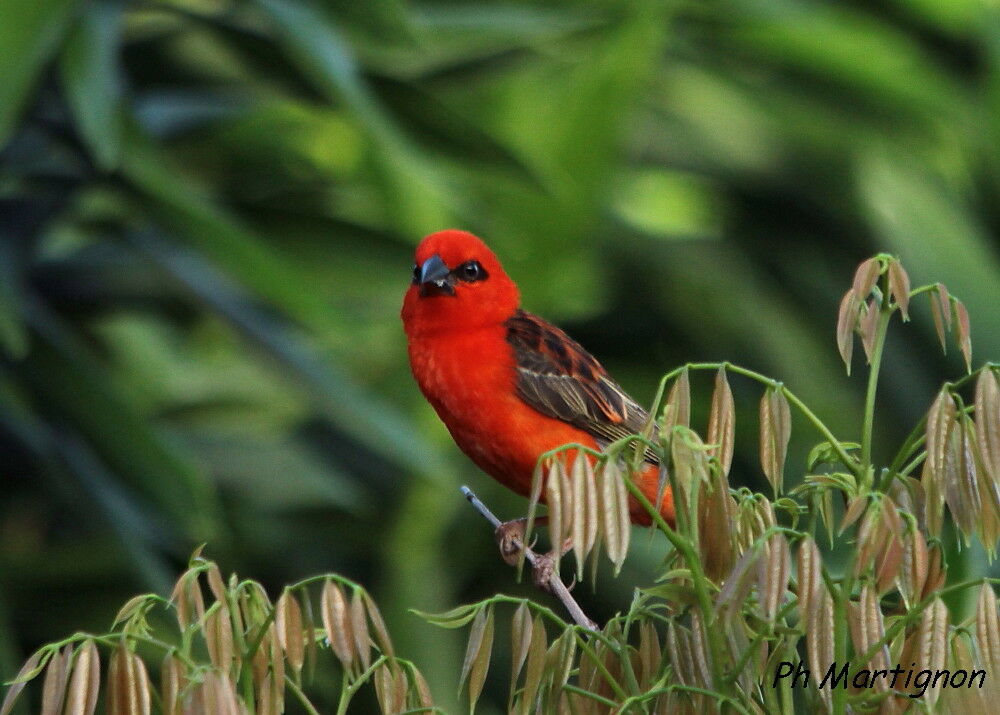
(554, 583)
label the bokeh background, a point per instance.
(207, 216)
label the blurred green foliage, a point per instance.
(207, 213)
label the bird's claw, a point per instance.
(510, 539)
(545, 568)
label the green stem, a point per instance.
(601, 668)
(607, 702)
(792, 398)
(345, 693)
(698, 579)
(300, 696)
(677, 687)
(348, 688)
(752, 648)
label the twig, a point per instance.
(555, 583)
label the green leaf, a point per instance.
(411, 187)
(13, 337)
(357, 412)
(455, 618)
(189, 211)
(29, 34)
(91, 76)
(75, 385)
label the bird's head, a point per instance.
(457, 283)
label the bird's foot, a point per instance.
(510, 539)
(545, 568)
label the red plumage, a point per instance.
(508, 385)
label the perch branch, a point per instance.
(555, 583)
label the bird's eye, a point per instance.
(416, 273)
(471, 271)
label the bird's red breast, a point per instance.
(508, 385)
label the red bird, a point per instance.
(508, 385)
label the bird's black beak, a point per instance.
(435, 277)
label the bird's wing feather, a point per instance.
(557, 377)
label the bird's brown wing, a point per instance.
(557, 377)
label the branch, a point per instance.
(555, 583)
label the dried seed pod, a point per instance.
(580, 519)
(941, 422)
(737, 585)
(173, 679)
(219, 695)
(868, 628)
(932, 642)
(855, 508)
(520, 641)
(566, 489)
(874, 536)
(424, 698)
(84, 684)
(967, 699)
(477, 654)
(679, 652)
(988, 431)
(847, 317)
(276, 675)
(187, 596)
(772, 574)
(810, 577)
(867, 327)
(819, 636)
(536, 665)
(775, 431)
(650, 657)
(913, 571)
(888, 563)
(265, 697)
(554, 501)
(288, 619)
(215, 583)
(23, 677)
(717, 528)
(559, 658)
(677, 410)
(899, 287)
(128, 683)
(941, 313)
(722, 422)
(865, 277)
(391, 686)
(963, 333)
(614, 510)
(337, 622)
(359, 630)
(988, 628)
(702, 673)
(962, 494)
(56, 679)
(378, 625)
(935, 571)
(219, 638)
(592, 523)
(690, 477)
